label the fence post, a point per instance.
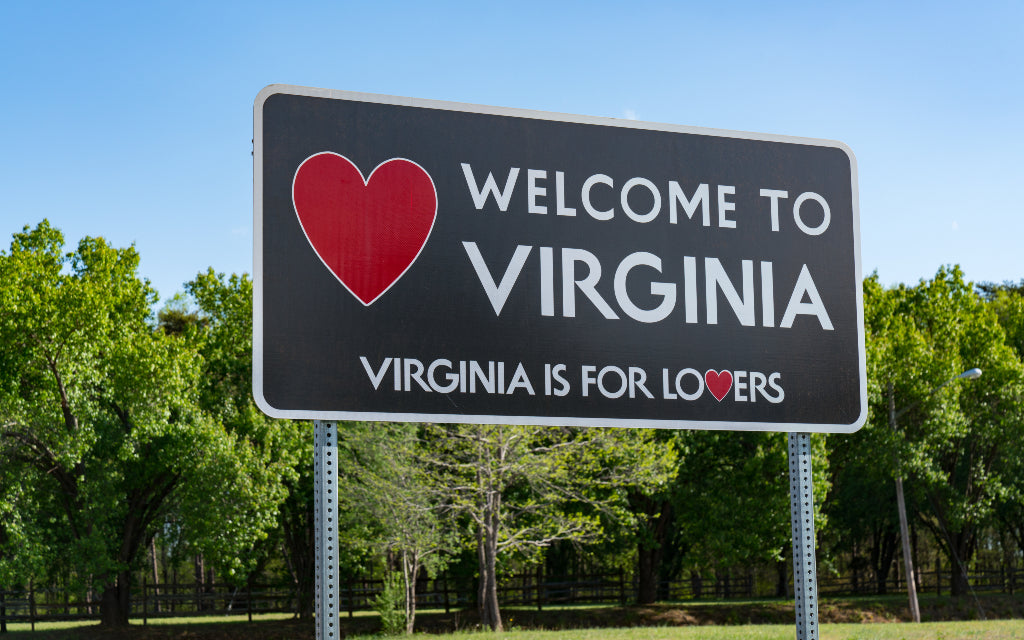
(351, 598)
(145, 618)
(444, 586)
(248, 598)
(3, 612)
(32, 605)
(540, 587)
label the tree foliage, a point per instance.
(119, 426)
(95, 402)
(261, 456)
(391, 485)
(522, 489)
(954, 437)
(104, 411)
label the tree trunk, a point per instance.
(855, 569)
(156, 572)
(481, 561)
(410, 572)
(655, 515)
(883, 551)
(961, 546)
(299, 552)
(211, 579)
(959, 586)
(647, 561)
(782, 578)
(490, 614)
(115, 603)
(199, 571)
(299, 546)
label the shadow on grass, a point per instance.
(690, 613)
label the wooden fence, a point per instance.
(169, 600)
(448, 593)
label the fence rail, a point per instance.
(445, 592)
(177, 599)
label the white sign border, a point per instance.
(313, 414)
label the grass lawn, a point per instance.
(78, 628)
(877, 618)
(976, 630)
(221, 628)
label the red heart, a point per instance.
(368, 232)
(718, 383)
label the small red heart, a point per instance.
(718, 383)
(368, 232)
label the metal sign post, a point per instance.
(325, 509)
(801, 501)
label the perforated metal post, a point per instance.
(801, 502)
(325, 507)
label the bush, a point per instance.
(390, 604)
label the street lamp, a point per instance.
(908, 561)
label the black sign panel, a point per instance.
(421, 260)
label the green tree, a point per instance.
(1008, 304)
(525, 488)
(96, 401)
(100, 407)
(392, 487)
(991, 290)
(1007, 301)
(861, 507)
(266, 454)
(654, 511)
(952, 440)
(217, 315)
(21, 551)
(862, 504)
(732, 498)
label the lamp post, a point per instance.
(908, 561)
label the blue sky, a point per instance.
(133, 120)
